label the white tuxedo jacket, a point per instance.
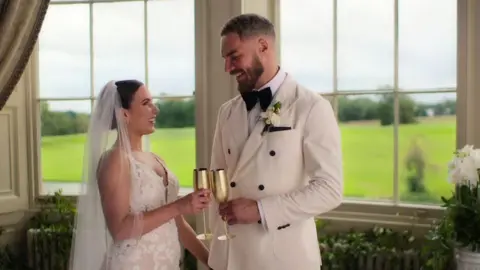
(296, 174)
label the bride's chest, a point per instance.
(154, 190)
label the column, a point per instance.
(468, 70)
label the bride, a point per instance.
(129, 215)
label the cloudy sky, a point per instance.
(427, 46)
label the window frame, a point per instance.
(39, 193)
(394, 210)
(371, 212)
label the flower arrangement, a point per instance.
(463, 207)
(271, 116)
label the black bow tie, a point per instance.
(263, 96)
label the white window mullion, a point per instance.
(146, 143)
(396, 108)
(335, 57)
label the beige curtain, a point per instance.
(20, 23)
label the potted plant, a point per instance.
(463, 207)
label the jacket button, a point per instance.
(272, 153)
(259, 222)
(228, 151)
(261, 187)
(233, 184)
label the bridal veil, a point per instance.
(107, 128)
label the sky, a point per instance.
(365, 47)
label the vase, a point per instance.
(467, 260)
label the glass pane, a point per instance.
(306, 41)
(427, 44)
(119, 42)
(365, 44)
(367, 146)
(174, 139)
(427, 140)
(171, 50)
(64, 52)
(63, 128)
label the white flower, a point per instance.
(270, 117)
(275, 119)
(463, 169)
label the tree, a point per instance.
(407, 109)
(357, 109)
(176, 114)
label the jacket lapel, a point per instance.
(285, 95)
(236, 129)
(237, 123)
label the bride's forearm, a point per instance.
(148, 221)
(189, 240)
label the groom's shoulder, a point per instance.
(227, 105)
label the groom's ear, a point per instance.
(263, 44)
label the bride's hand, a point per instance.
(194, 202)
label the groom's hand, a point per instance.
(239, 211)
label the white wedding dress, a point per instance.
(160, 248)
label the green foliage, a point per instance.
(463, 209)
(365, 108)
(446, 107)
(407, 109)
(438, 250)
(379, 247)
(458, 228)
(57, 213)
(356, 109)
(181, 113)
(54, 226)
(176, 114)
(62, 123)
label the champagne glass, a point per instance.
(220, 191)
(201, 180)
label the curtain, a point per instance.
(20, 23)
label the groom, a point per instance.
(284, 166)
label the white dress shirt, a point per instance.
(254, 116)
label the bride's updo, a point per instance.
(126, 90)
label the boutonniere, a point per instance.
(271, 117)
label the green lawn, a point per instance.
(367, 154)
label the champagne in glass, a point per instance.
(201, 180)
(220, 191)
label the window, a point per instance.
(390, 74)
(84, 44)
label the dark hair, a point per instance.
(248, 25)
(126, 90)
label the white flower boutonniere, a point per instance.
(271, 117)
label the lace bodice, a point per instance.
(153, 192)
(160, 248)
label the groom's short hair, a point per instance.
(249, 25)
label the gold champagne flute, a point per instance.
(201, 180)
(220, 191)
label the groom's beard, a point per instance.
(253, 74)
